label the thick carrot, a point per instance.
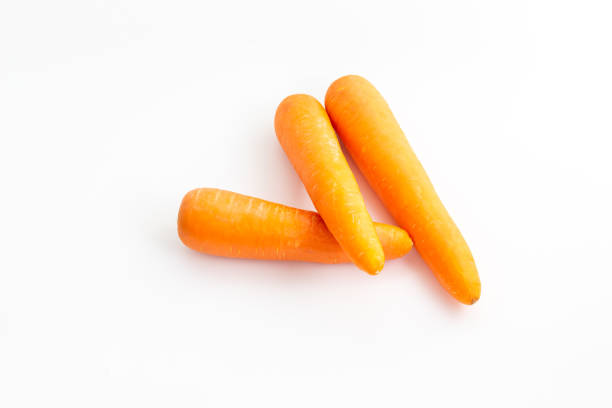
(305, 133)
(374, 139)
(228, 224)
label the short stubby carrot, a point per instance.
(368, 129)
(307, 137)
(223, 223)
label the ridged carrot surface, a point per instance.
(223, 223)
(306, 134)
(368, 129)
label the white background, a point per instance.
(111, 110)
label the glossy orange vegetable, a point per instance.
(223, 223)
(305, 133)
(368, 129)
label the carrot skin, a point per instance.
(308, 138)
(371, 134)
(223, 223)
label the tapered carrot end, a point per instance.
(470, 294)
(460, 279)
(395, 241)
(476, 294)
(472, 299)
(372, 264)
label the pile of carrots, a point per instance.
(228, 224)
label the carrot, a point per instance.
(305, 133)
(374, 139)
(223, 223)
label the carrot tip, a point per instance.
(471, 298)
(472, 301)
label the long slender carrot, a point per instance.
(305, 133)
(219, 222)
(374, 139)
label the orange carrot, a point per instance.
(305, 133)
(228, 224)
(374, 139)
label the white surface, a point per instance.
(110, 111)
